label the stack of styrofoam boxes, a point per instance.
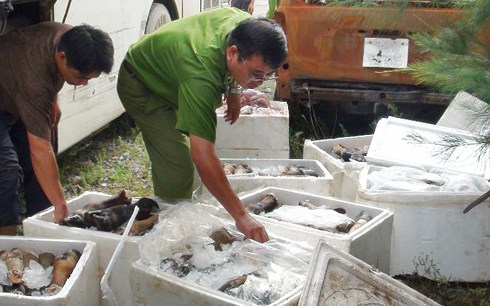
(152, 287)
(345, 174)
(429, 229)
(370, 243)
(251, 181)
(42, 225)
(255, 135)
(336, 278)
(79, 289)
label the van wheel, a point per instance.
(157, 17)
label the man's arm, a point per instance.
(233, 107)
(46, 170)
(55, 113)
(209, 167)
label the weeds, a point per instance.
(113, 160)
(426, 267)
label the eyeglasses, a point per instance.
(259, 76)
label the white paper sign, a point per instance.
(385, 52)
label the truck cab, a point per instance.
(353, 56)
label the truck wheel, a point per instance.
(157, 17)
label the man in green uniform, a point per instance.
(171, 83)
(35, 62)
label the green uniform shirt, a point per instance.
(184, 64)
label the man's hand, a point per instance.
(60, 212)
(233, 107)
(46, 170)
(250, 8)
(251, 228)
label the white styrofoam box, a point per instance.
(337, 278)
(345, 174)
(370, 243)
(248, 182)
(283, 262)
(393, 144)
(151, 287)
(79, 289)
(464, 113)
(42, 225)
(255, 135)
(432, 224)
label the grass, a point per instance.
(111, 161)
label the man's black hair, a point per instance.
(87, 49)
(260, 36)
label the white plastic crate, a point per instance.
(320, 185)
(42, 225)
(370, 243)
(81, 288)
(337, 278)
(255, 136)
(429, 229)
(345, 174)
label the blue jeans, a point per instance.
(16, 173)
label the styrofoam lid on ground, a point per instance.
(394, 143)
(338, 278)
(464, 113)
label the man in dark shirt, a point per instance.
(35, 62)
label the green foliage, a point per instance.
(296, 143)
(460, 59)
(304, 123)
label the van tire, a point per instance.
(157, 17)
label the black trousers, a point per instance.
(16, 173)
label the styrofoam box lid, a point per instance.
(57, 247)
(462, 113)
(338, 278)
(264, 163)
(391, 145)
